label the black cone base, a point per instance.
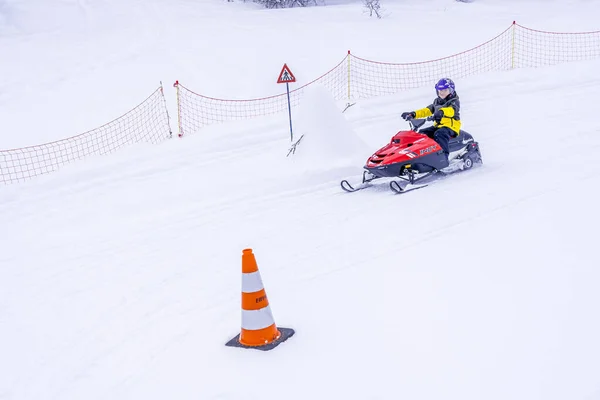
(285, 334)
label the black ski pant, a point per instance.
(440, 135)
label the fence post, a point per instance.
(348, 104)
(162, 92)
(348, 76)
(514, 27)
(176, 86)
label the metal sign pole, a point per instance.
(287, 85)
(286, 76)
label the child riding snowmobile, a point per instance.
(445, 110)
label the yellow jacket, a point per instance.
(451, 108)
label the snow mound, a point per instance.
(328, 136)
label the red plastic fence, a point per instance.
(148, 122)
(357, 78)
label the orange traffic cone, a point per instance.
(258, 326)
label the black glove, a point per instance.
(438, 115)
(407, 116)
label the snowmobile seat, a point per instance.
(461, 132)
(460, 137)
(457, 142)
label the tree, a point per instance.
(286, 3)
(373, 7)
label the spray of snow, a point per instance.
(326, 134)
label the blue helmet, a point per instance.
(445, 83)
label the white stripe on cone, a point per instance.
(252, 282)
(257, 319)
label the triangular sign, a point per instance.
(286, 76)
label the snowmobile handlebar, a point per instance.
(416, 123)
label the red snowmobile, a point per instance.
(412, 156)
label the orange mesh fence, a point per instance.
(535, 48)
(352, 79)
(357, 78)
(148, 122)
(196, 111)
(371, 78)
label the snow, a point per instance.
(326, 133)
(120, 275)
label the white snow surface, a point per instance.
(120, 275)
(324, 133)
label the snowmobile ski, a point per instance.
(398, 189)
(349, 188)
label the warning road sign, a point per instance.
(286, 76)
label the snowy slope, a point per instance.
(120, 275)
